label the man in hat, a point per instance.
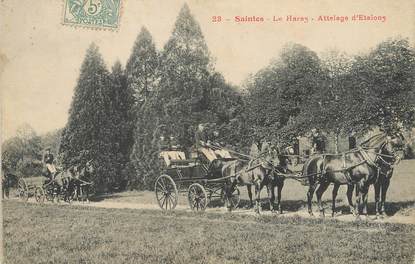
(48, 161)
(319, 145)
(202, 138)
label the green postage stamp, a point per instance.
(103, 14)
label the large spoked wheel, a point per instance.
(166, 192)
(235, 198)
(39, 195)
(22, 190)
(197, 197)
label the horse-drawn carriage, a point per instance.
(197, 177)
(66, 186)
(370, 163)
(40, 189)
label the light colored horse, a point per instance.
(259, 172)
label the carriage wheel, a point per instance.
(197, 197)
(166, 192)
(22, 190)
(39, 195)
(234, 199)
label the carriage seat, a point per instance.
(176, 159)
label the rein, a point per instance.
(366, 159)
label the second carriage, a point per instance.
(38, 188)
(194, 176)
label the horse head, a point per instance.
(281, 156)
(89, 166)
(386, 146)
(393, 143)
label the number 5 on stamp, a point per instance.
(103, 14)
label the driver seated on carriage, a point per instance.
(318, 141)
(48, 162)
(206, 143)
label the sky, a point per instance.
(40, 58)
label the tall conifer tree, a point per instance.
(185, 82)
(142, 79)
(90, 128)
(122, 118)
(141, 68)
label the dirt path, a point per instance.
(397, 218)
(145, 200)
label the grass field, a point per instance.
(52, 233)
(74, 234)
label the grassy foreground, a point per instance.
(73, 234)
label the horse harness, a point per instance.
(366, 159)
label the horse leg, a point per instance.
(87, 193)
(385, 187)
(7, 189)
(271, 196)
(65, 190)
(358, 200)
(321, 189)
(310, 194)
(229, 188)
(350, 188)
(280, 186)
(81, 193)
(377, 198)
(258, 188)
(365, 194)
(257, 201)
(334, 195)
(249, 189)
(57, 193)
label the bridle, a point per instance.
(380, 161)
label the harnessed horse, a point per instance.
(72, 182)
(259, 172)
(361, 167)
(81, 182)
(61, 183)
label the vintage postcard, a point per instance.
(220, 131)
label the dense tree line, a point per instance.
(299, 91)
(22, 154)
(117, 118)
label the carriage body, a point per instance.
(31, 187)
(41, 188)
(192, 176)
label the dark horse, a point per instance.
(73, 182)
(7, 180)
(259, 172)
(361, 167)
(61, 183)
(81, 182)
